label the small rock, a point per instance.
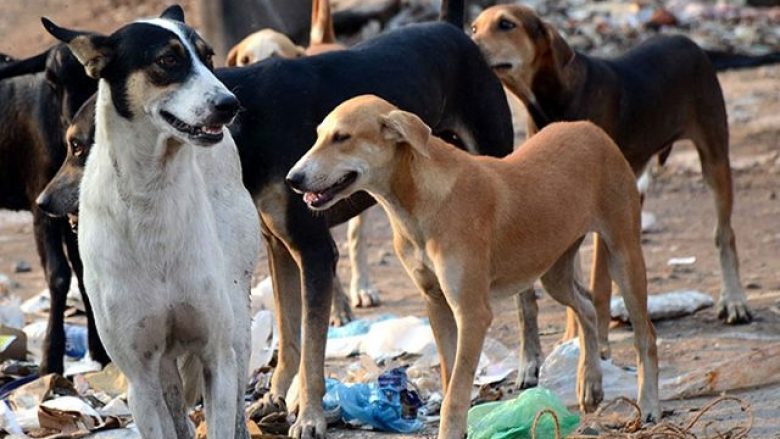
(753, 286)
(22, 266)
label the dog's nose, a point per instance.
(295, 181)
(226, 106)
(44, 203)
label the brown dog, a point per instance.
(267, 43)
(662, 91)
(470, 228)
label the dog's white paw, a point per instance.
(366, 297)
(734, 312)
(528, 374)
(341, 313)
(309, 425)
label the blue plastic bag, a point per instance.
(385, 404)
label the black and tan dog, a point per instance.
(470, 228)
(39, 96)
(660, 92)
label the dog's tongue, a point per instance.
(310, 197)
(316, 198)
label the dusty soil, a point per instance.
(678, 198)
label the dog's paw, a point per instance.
(341, 313)
(268, 405)
(651, 413)
(734, 312)
(589, 391)
(528, 375)
(309, 425)
(367, 297)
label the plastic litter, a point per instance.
(665, 306)
(681, 261)
(75, 341)
(8, 420)
(513, 419)
(559, 374)
(261, 296)
(264, 340)
(11, 314)
(385, 404)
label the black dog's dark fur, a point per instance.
(39, 96)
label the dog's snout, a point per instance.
(226, 106)
(295, 181)
(44, 203)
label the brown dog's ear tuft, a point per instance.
(173, 12)
(93, 51)
(562, 53)
(404, 127)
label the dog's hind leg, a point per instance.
(96, 350)
(49, 241)
(627, 267)
(530, 344)
(601, 289)
(711, 142)
(173, 393)
(361, 290)
(561, 283)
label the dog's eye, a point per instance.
(244, 60)
(506, 25)
(167, 61)
(340, 137)
(77, 147)
(473, 29)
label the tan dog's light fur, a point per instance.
(471, 228)
(267, 43)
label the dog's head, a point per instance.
(61, 196)
(517, 43)
(357, 146)
(263, 44)
(67, 77)
(159, 69)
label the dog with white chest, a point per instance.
(168, 233)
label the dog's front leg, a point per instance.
(530, 344)
(219, 376)
(318, 268)
(468, 297)
(287, 298)
(48, 239)
(96, 350)
(361, 290)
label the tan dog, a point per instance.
(267, 43)
(663, 90)
(471, 228)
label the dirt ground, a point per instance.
(678, 198)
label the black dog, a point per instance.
(39, 96)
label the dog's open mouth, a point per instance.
(502, 66)
(321, 198)
(209, 134)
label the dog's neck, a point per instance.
(144, 160)
(548, 90)
(413, 190)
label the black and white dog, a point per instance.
(169, 236)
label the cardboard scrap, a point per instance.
(13, 344)
(32, 394)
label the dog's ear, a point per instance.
(562, 53)
(232, 58)
(173, 12)
(93, 51)
(404, 127)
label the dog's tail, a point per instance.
(321, 23)
(191, 372)
(726, 61)
(35, 64)
(453, 12)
